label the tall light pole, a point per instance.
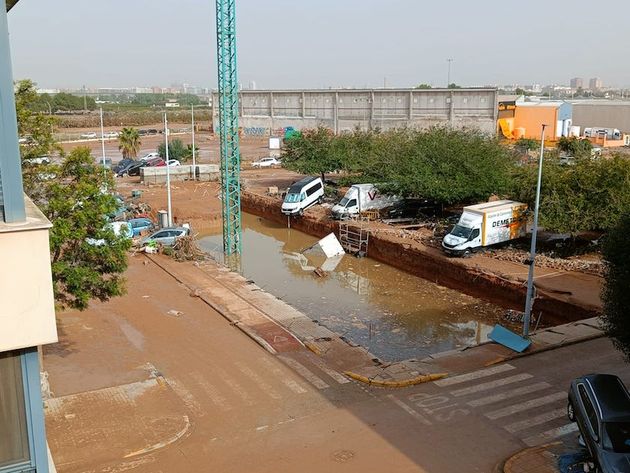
(532, 252)
(194, 169)
(448, 80)
(102, 139)
(168, 175)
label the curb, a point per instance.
(506, 467)
(224, 313)
(547, 348)
(425, 378)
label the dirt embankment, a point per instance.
(432, 264)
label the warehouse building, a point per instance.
(602, 113)
(519, 118)
(265, 112)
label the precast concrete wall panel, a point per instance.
(267, 112)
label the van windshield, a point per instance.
(343, 202)
(292, 198)
(461, 232)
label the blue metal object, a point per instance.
(11, 190)
(509, 339)
(228, 129)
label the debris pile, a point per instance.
(590, 266)
(186, 249)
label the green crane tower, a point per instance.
(228, 130)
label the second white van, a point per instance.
(302, 194)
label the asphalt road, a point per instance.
(256, 412)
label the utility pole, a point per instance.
(448, 80)
(102, 139)
(228, 130)
(192, 114)
(532, 252)
(168, 175)
(84, 99)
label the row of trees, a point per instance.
(62, 102)
(463, 166)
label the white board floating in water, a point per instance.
(331, 246)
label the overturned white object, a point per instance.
(330, 246)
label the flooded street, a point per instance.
(395, 315)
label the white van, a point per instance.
(302, 194)
(360, 198)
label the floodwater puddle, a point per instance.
(395, 315)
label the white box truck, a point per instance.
(486, 224)
(362, 197)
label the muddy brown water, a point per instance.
(395, 315)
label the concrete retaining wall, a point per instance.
(157, 175)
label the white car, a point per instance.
(149, 156)
(89, 135)
(266, 162)
(111, 134)
(173, 162)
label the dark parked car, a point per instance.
(414, 208)
(134, 170)
(600, 404)
(122, 164)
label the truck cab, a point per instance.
(465, 235)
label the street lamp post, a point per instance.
(102, 139)
(194, 168)
(168, 175)
(532, 252)
(448, 80)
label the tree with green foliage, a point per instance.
(616, 293)
(590, 195)
(424, 86)
(87, 258)
(176, 150)
(576, 147)
(311, 152)
(129, 142)
(71, 196)
(453, 85)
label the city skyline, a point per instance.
(283, 45)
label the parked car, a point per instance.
(122, 164)
(140, 225)
(134, 169)
(149, 156)
(166, 236)
(124, 170)
(600, 404)
(89, 135)
(111, 134)
(155, 162)
(173, 162)
(38, 160)
(266, 162)
(413, 208)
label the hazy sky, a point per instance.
(321, 43)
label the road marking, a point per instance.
(491, 385)
(509, 394)
(187, 397)
(212, 392)
(292, 385)
(462, 378)
(236, 387)
(305, 373)
(341, 379)
(536, 420)
(551, 434)
(408, 409)
(540, 401)
(264, 385)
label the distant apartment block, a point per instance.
(577, 83)
(595, 83)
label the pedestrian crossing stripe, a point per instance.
(491, 385)
(484, 373)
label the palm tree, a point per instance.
(129, 143)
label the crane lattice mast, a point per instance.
(228, 127)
